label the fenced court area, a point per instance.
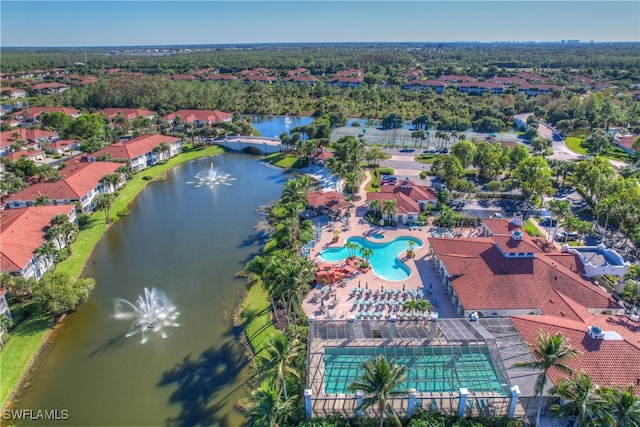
(443, 359)
(390, 137)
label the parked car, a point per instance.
(548, 222)
(444, 151)
(563, 236)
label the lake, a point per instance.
(188, 242)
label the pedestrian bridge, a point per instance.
(250, 143)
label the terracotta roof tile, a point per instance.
(608, 363)
(22, 231)
(136, 147)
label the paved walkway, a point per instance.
(337, 300)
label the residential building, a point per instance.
(62, 146)
(437, 85)
(327, 201)
(47, 88)
(223, 78)
(537, 89)
(81, 182)
(411, 199)
(301, 80)
(413, 74)
(453, 78)
(625, 142)
(260, 79)
(12, 93)
(142, 152)
(22, 232)
(128, 113)
(24, 137)
(507, 81)
(345, 82)
(199, 117)
(479, 88)
(30, 154)
(31, 114)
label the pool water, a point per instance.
(384, 260)
(429, 369)
(377, 236)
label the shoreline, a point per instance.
(77, 269)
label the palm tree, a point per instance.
(5, 324)
(390, 208)
(375, 206)
(414, 305)
(46, 254)
(352, 248)
(103, 202)
(633, 275)
(294, 191)
(580, 396)
(266, 405)
(277, 357)
(410, 251)
(559, 209)
(42, 200)
(111, 181)
(570, 223)
(623, 406)
(366, 253)
(550, 351)
(379, 381)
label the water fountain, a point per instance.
(211, 177)
(152, 312)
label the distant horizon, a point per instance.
(320, 43)
(90, 24)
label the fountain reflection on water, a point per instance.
(152, 312)
(211, 177)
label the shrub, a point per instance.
(123, 212)
(495, 186)
(84, 219)
(147, 177)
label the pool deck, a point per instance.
(338, 302)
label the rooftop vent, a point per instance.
(516, 235)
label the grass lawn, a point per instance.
(531, 229)
(425, 158)
(575, 144)
(255, 316)
(25, 340)
(27, 336)
(283, 160)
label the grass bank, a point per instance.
(28, 336)
(283, 160)
(255, 317)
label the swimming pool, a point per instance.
(377, 236)
(430, 369)
(384, 260)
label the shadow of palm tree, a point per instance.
(110, 344)
(200, 381)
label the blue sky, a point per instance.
(126, 23)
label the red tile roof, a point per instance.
(407, 194)
(506, 81)
(25, 153)
(485, 279)
(129, 113)
(223, 77)
(608, 363)
(7, 137)
(51, 85)
(22, 231)
(34, 112)
(78, 179)
(626, 141)
(322, 155)
(210, 116)
(452, 78)
(328, 199)
(136, 147)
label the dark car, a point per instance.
(444, 151)
(548, 222)
(407, 150)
